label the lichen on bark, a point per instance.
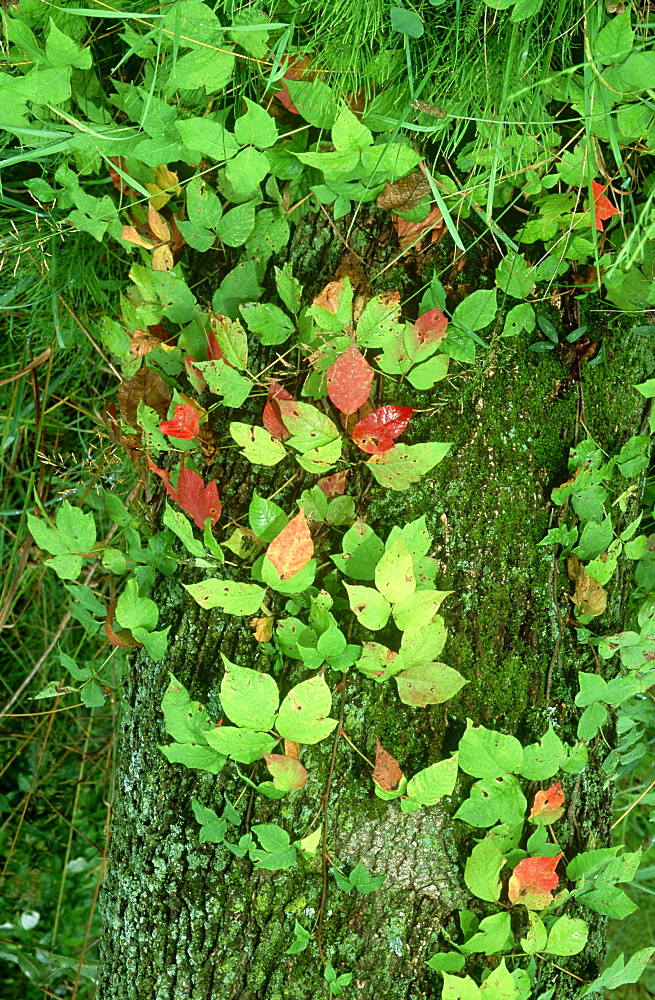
(188, 920)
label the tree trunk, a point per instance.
(189, 920)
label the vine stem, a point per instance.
(326, 796)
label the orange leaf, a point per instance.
(329, 297)
(548, 806)
(123, 637)
(386, 773)
(603, 207)
(532, 882)
(293, 547)
(411, 232)
(349, 380)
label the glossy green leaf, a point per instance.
(485, 753)
(567, 936)
(371, 609)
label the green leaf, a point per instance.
(185, 720)
(242, 745)
(156, 643)
(256, 127)
(296, 584)
(301, 939)
(543, 759)
(428, 684)
(418, 645)
(492, 938)
(319, 460)
(206, 135)
(236, 225)
(47, 538)
(308, 426)
(92, 695)
(348, 133)
(446, 961)
(404, 464)
(521, 317)
(477, 310)
(288, 288)
(394, 573)
(249, 698)
(493, 800)
(362, 550)
(61, 50)
(378, 662)
(269, 322)
(77, 530)
(459, 988)
(233, 597)
(371, 609)
(303, 715)
(406, 21)
(212, 829)
(266, 518)
(180, 525)
(433, 782)
(203, 758)
(591, 720)
(419, 608)
(426, 375)
(314, 100)
(245, 173)
(620, 972)
(483, 869)
(514, 276)
(363, 881)
(226, 382)
(614, 42)
(647, 388)
(567, 936)
(485, 753)
(257, 445)
(132, 610)
(536, 936)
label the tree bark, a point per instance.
(189, 920)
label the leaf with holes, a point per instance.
(548, 806)
(288, 774)
(533, 881)
(304, 713)
(257, 445)
(376, 432)
(482, 872)
(293, 547)
(404, 464)
(233, 597)
(309, 427)
(349, 380)
(184, 424)
(371, 609)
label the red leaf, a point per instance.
(198, 500)
(293, 547)
(431, 326)
(409, 233)
(349, 380)
(376, 432)
(271, 417)
(532, 882)
(333, 486)
(548, 806)
(603, 207)
(185, 423)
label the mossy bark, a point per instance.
(189, 920)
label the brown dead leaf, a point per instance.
(144, 387)
(142, 343)
(410, 232)
(292, 749)
(589, 597)
(402, 195)
(329, 297)
(263, 628)
(386, 773)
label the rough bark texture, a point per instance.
(185, 920)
